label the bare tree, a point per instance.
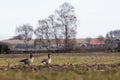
(68, 21)
(56, 29)
(113, 34)
(116, 34)
(44, 33)
(26, 32)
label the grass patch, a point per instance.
(53, 75)
(72, 58)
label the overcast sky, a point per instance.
(96, 17)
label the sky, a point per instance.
(95, 17)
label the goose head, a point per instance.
(48, 56)
(31, 56)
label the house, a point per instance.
(96, 42)
(93, 43)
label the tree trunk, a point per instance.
(66, 37)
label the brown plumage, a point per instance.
(46, 61)
(27, 60)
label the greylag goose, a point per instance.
(27, 60)
(46, 61)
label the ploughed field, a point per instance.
(65, 66)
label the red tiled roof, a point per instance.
(95, 42)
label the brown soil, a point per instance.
(100, 67)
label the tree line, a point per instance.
(113, 34)
(60, 26)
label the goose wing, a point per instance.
(44, 61)
(23, 60)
